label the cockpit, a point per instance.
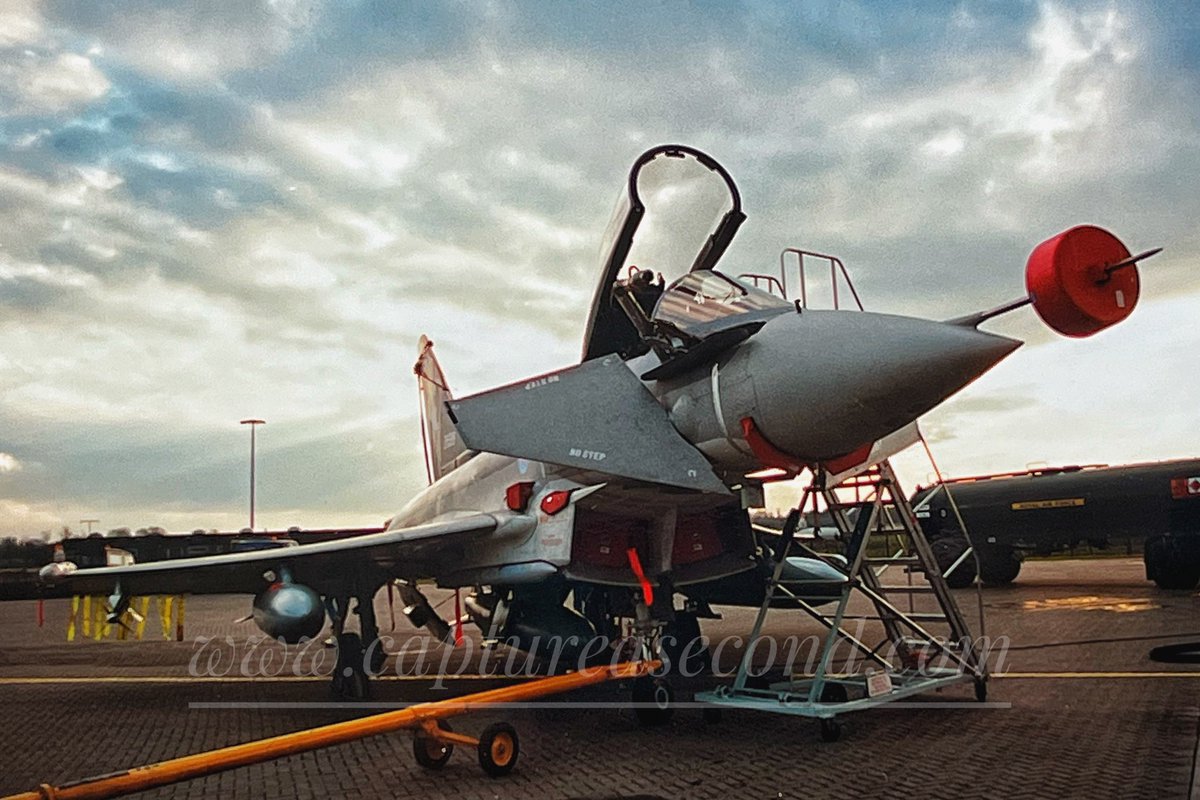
(659, 286)
(698, 299)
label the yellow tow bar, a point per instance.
(433, 741)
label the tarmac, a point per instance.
(1076, 709)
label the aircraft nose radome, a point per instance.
(832, 381)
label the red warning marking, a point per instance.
(635, 564)
(1185, 487)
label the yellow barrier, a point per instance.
(89, 618)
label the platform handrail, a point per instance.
(836, 268)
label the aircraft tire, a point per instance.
(654, 701)
(350, 680)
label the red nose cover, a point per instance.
(767, 454)
(1071, 291)
(852, 459)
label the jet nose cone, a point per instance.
(842, 379)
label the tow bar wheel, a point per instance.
(498, 749)
(432, 753)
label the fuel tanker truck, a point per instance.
(1048, 509)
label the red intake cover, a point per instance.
(1071, 292)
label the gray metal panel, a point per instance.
(596, 416)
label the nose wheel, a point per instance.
(653, 701)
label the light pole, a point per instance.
(253, 423)
(89, 523)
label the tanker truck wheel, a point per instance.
(947, 550)
(1171, 566)
(999, 566)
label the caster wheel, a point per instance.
(654, 701)
(498, 749)
(981, 690)
(831, 730)
(429, 752)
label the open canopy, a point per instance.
(696, 302)
(677, 214)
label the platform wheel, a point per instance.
(498, 749)
(831, 730)
(981, 689)
(432, 753)
(653, 701)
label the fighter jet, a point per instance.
(624, 481)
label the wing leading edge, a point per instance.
(420, 548)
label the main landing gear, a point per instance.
(356, 663)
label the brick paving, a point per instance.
(1044, 737)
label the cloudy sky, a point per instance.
(215, 211)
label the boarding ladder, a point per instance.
(889, 604)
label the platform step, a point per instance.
(913, 617)
(892, 560)
(812, 582)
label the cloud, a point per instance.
(40, 84)
(9, 464)
(20, 23)
(208, 214)
(25, 521)
(189, 42)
